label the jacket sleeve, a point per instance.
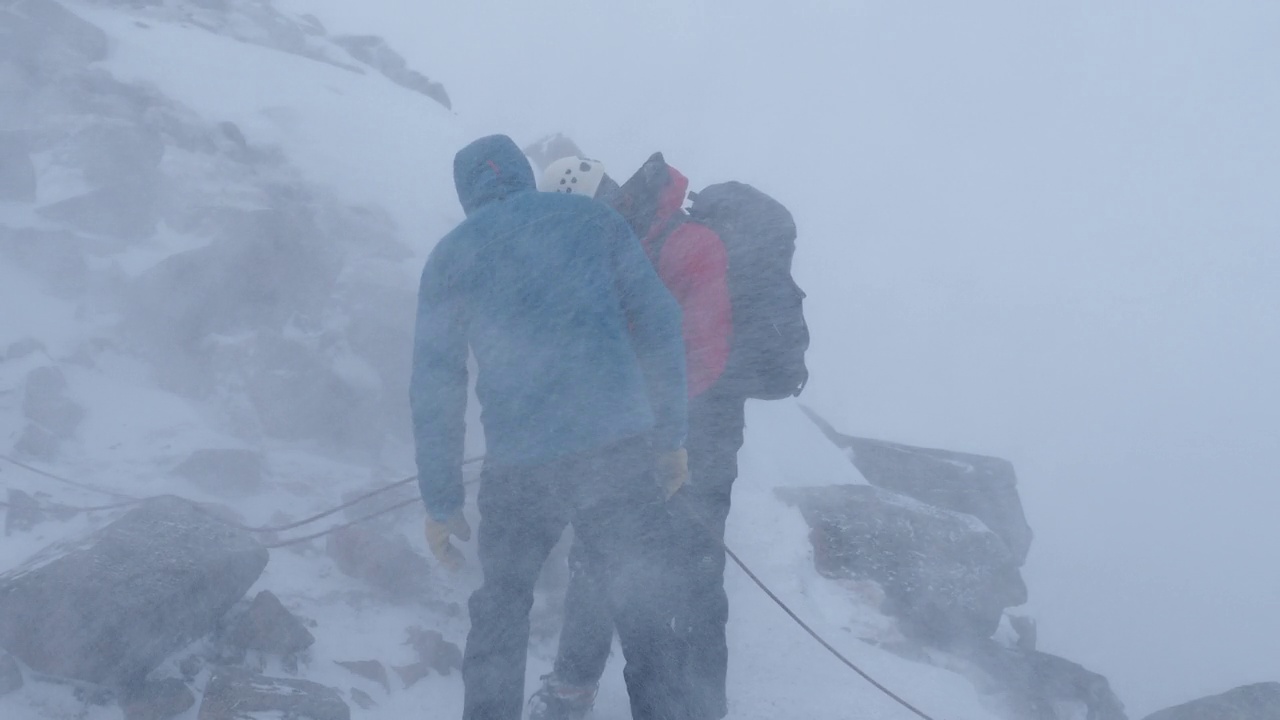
(695, 266)
(438, 391)
(655, 320)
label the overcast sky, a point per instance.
(1047, 231)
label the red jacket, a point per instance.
(694, 266)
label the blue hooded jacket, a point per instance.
(577, 341)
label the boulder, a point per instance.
(109, 608)
(10, 674)
(44, 38)
(432, 649)
(23, 513)
(157, 700)
(1249, 702)
(226, 471)
(1038, 686)
(386, 562)
(266, 626)
(978, 485)
(234, 694)
(946, 576)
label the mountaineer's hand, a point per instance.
(438, 534)
(673, 471)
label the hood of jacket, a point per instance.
(490, 169)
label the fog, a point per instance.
(1045, 232)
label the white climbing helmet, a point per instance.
(573, 175)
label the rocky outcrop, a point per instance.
(946, 577)
(374, 52)
(234, 694)
(978, 485)
(1250, 702)
(1033, 685)
(109, 608)
(227, 471)
(386, 562)
(267, 626)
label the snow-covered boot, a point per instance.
(558, 700)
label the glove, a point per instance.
(673, 471)
(438, 539)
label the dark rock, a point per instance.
(45, 402)
(1249, 702)
(550, 149)
(439, 654)
(362, 699)
(109, 608)
(369, 670)
(44, 38)
(227, 471)
(946, 577)
(1036, 685)
(268, 627)
(157, 700)
(10, 674)
(388, 563)
(23, 513)
(234, 694)
(374, 52)
(981, 486)
(17, 171)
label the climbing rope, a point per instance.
(406, 503)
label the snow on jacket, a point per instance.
(542, 287)
(694, 266)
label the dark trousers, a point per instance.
(619, 519)
(700, 511)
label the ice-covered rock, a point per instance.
(978, 485)
(386, 562)
(42, 37)
(1035, 685)
(234, 694)
(107, 609)
(1260, 701)
(946, 576)
(267, 626)
(224, 471)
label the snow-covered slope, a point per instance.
(246, 125)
